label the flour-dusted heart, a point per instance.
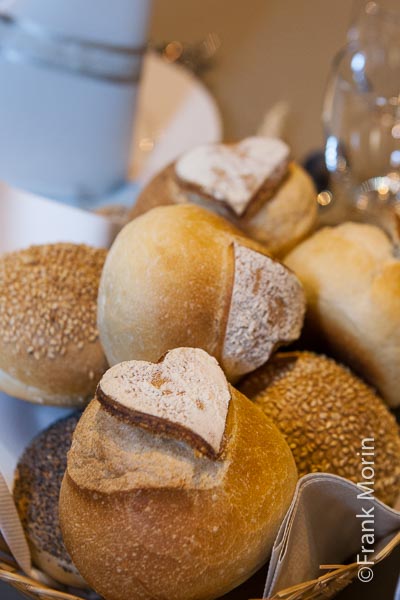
(185, 396)
(267, 309)
(233, 173)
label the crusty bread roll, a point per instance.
(37, 483)
(330, 419)
(352, 282)
(176, 483)
(251, 183)
(49, 345)
(181, 276)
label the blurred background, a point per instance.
(270, 51)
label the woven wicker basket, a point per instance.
(326, 586)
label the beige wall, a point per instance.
(271, 50)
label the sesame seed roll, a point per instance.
(325, 412)
(49, 345)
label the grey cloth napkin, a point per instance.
(321, 527)
(397, 594)
(11, 529)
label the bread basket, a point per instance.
(326, 586)
(341, 497)
(326, 581)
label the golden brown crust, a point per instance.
(162, 190)
(57, 382)
(170, 266)
(288, 217)
(352, 283)
(280, 216)
(187, 542)
(168, 282)
(325, 412)
(49, 346)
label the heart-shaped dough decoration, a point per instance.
(185, 396)
(233, 173)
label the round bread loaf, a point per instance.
(331, 420)
(352, 283)
(176, 483)
(181, 276)
(37, 485)
(251, 183)
(49, 345)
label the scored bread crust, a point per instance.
(279, 219)
(238, 176)
(169, 281)
(352, 283)
(157, 533)
(266, 310)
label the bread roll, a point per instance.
(49, 345)
(252, 184)
(329, 418)
(36, 490)
(352, 282)
(176, 484)
(181, 276)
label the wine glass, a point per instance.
(361, 117)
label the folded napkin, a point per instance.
(323, 529)
(11, 529)
(27, 219)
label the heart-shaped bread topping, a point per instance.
(233, 173)
(185, 396)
